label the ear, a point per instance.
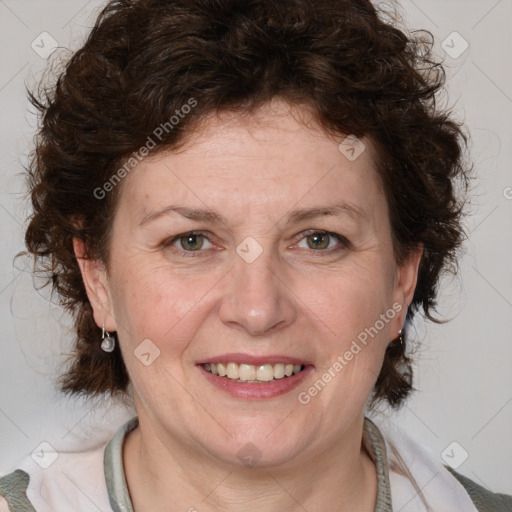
(94, 275)
(405, 284)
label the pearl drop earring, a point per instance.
(108, 343)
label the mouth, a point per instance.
(253, 374)
(247, 376)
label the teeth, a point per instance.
(221, 369)
(265, 373)
(252, 373)
(247, 372)
(278, 371)
(232, 369)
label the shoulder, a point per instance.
(13, 489)
(484, 500)
(417, 474)
(69, 480)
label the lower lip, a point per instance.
(257, 391)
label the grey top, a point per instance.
(13, 487)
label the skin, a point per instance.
(294, 299)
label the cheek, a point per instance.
(349, 308)
(156, 315)
(150, 303)
(350, 300)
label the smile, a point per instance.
(250, 373)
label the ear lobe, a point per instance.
(95, 280)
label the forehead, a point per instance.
(273, 158)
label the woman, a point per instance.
(242, 203)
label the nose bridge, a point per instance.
(257, 299)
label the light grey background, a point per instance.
(464, 372)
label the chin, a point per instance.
(267, 444)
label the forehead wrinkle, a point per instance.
(296, 216)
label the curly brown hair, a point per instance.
(144, 59)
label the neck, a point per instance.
(162, 473)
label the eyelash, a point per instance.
(344, 243)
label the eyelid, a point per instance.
(169, 242)
(343, 241)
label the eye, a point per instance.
(321, 240)
(191, 242)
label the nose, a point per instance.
(257, 299)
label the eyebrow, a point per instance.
(336, 210)
(189, 213)
(295, 216)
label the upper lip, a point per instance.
(254, 360)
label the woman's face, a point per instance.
(290, 262)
